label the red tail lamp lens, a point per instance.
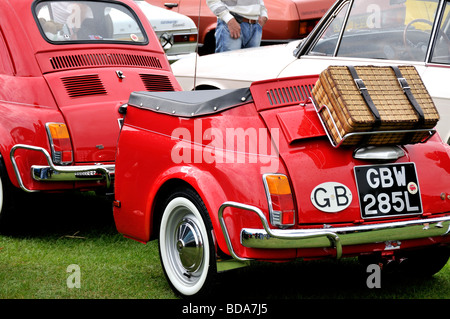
(60, 143)
(281, 203)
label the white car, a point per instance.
(352, 32)
(177, 33)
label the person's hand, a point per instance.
(234, 28)
(262, 21)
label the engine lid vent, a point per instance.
(104, 59)
(289, 94)
(156, 82)
(83, 85)
(282, 92)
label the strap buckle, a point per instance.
(360, 84)
(404, 84)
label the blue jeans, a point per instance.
(250, 37)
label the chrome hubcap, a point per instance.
(189, 244)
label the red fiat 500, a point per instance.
(223, 177)
(66, 67)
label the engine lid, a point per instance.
(89, 100)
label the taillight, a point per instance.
(60, 143)
(279, 197)
(306, 27)
(185, 38)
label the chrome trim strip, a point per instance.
(55, 173)
(435, 31)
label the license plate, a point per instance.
(388, 190)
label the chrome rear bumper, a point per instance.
(333, 237)
(56, 173)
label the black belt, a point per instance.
(241, 19)
(366, 96)
(407, 90)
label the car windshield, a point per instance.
(385, 29)
(88, 21)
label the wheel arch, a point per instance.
(204, 87)
(212, 199)
(209, 40)
(11, 198)
(6, 166)
(159, 201)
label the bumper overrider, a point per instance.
(331, 237)
(58, 173)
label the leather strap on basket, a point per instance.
(405, 87)
(365, 94)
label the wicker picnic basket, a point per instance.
(374, 105)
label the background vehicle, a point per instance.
(224, 177)
(354, 32)
(177, 33)
(288, 19)
(64, 75)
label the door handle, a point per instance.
(171, 5)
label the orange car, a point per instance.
(288, 19)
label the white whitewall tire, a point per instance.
(186, 246)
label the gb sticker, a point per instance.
(331, 197)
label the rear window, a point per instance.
(88, 21)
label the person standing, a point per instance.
(239, 23)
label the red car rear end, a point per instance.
(250, 174)
(63, 81)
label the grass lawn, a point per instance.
(80, 231)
